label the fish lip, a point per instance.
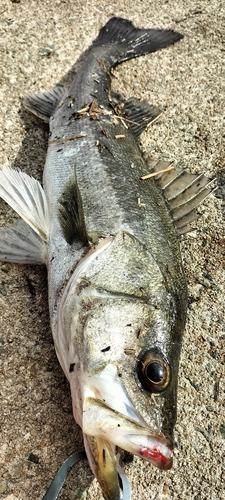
(160, 454)
(157, 459)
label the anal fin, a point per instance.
(44, 104)
(182, 190)
(20, 244)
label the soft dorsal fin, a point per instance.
(183, 191)
(70, 214)
(137, 114)
(44, 104)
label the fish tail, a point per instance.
(124, 41)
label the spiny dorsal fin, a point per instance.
(70, 214)
(183, 191)
(137, 114)
(44, 104)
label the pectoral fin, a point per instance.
(20, 244)
(26, 196)
(70, 214)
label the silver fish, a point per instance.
(108, 233)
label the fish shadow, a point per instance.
(220, 182)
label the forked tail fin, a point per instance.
(126, 41)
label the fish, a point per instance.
(107, 223)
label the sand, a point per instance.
(40, 41)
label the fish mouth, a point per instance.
(104, 423)
(109, 423)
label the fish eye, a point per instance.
(153, 372)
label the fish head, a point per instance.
(121, 356)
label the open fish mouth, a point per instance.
(108, 423)
(103, 422)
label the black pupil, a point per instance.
(155, 372)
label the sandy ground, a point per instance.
(39, 43)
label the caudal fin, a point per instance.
(127, 42)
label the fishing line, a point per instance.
(60, 477)
(73, 459)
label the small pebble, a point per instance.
(3, 485)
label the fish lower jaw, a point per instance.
(150, 448)
(156, 450)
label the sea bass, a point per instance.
(108, 233)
